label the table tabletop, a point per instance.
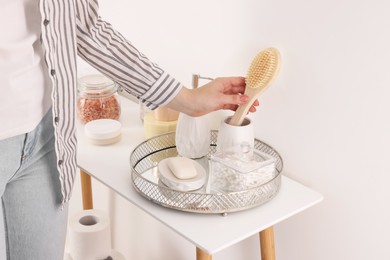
(210, 232)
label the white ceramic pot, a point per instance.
(192, 136)
(230, 136)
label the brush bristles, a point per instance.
(263, 68)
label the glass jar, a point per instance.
(97, 99)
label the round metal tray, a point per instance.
(144, 160)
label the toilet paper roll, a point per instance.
(114, 255)
(89, 235)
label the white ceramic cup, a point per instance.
(192, 136)
(230, 136)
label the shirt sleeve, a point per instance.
(108, 51)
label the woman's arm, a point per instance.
(109, 52)
(221, 93)
(113, 55)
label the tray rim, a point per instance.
(136, 174)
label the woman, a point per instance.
(37, 109)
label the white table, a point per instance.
(110, 165)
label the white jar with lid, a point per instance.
(97, 98)
(103, 131)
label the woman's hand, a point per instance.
(221, 93)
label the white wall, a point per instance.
(327, 114)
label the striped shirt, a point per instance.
(73, 27)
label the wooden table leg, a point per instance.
(201, 255)
(86, 190)
(267, 244)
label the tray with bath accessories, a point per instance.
(209, 199)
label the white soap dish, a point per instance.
(169, 179)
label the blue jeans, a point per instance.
(32, 222)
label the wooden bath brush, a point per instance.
(262, 71)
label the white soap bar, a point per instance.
(182, 167)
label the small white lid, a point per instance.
(102, 129)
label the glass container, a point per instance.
(97, 99)
(241, 168)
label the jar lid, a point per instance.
(103, 130)
(96, 84)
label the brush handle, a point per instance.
(240, 114)
(243, 109)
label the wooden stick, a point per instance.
(201, 255)
(86, 190)
(267, 244)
